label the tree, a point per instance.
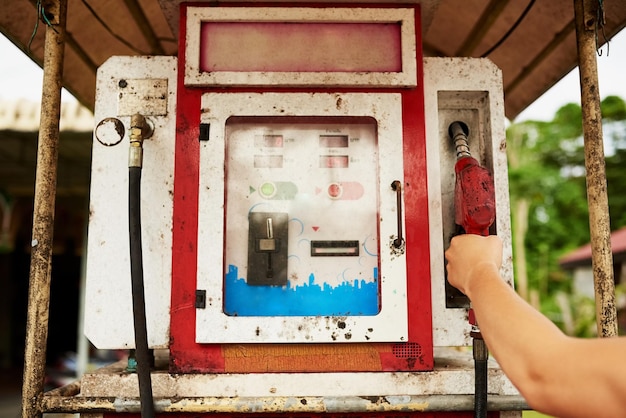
(614, 116)
(538, 153)
(548, 197)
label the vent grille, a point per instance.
(407, 350)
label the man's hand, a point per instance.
(469, 254)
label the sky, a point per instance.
(612, 80)
(21, 78)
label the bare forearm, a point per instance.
(518, 336)
(558, 375)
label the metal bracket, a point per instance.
(200, 299)
(205, 128)
(50, 11)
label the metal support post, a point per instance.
(43, 211)
(587, 23)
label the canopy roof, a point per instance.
(533, 42)
(582, 256)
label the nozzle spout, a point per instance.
(459, 132)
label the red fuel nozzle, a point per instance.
(474, 211)
(474, 193)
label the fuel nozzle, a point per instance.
(474, 211)
(474, 193)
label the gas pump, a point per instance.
(296, 199)
(308, 245)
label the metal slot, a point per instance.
(334, 248)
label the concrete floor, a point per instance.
(10, 406)
(11, 395)
(10, 392)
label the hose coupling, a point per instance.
(139, 130)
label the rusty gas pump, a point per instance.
(474, 212)
(272, 221)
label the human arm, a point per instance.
(558, 375)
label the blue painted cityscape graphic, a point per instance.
(356, 298)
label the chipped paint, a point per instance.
(469, 90)
(108, 316)
(212, 325)
(447, 388)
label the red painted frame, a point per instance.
(187, 356)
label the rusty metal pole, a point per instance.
(43, 212)
(599, 222)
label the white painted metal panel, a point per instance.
(462, 89)
(213, 325)
(126, 85)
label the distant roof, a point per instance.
(582, 256)
(19, 132)
(23, 116)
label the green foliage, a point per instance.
(567, 122)
(584, 310)
(613, 109)
(616, 185)
(547, 169)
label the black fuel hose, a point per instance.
(481, 355)
(142, 352)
